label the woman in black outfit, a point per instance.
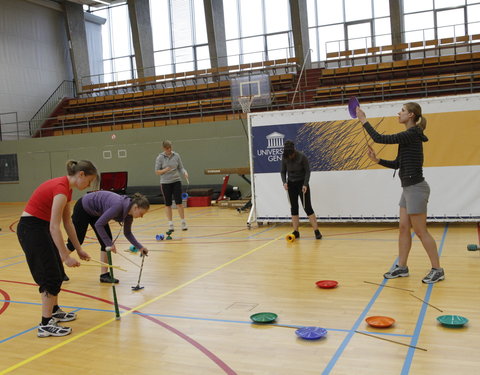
(295, 164)
(414, 199)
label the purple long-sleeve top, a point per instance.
(110, 206)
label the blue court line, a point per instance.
(411, 351)
(23, 332)
(16, 256)
(12, 264)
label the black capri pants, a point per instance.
(42, 255)
(81, 219)
(173, 190)
(295, 191)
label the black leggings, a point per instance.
(81, 219)
(41, 253)
(295, 191)
(172, 190)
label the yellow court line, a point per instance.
(71, 339)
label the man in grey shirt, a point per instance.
(169, 167)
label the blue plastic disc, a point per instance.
(159, 237)
(184, 195)
(311, 333)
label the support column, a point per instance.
(301, 40)
(397, 26)
(142, 36)
(77, 37)
(217, 43)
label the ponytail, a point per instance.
(415, 108)
(85, 166)
(141, 201)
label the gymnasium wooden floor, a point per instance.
(200, 289)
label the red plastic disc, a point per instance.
(327, 284)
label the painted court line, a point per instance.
(111, 320)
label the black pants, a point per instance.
(173, 190)
(81, 219)
(41, 253)
(295, 191)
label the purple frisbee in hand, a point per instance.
(352, 106)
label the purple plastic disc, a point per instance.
(352, 106)
(311, 333)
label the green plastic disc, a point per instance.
(452, 320)
(264, 317)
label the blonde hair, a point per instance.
(415, 108)
(85, 166)
(167, 144)
(141, 201)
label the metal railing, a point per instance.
(65, 90)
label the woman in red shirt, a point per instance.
(41, 239)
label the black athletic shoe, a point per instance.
(66, 278)
(318, 235)
(296, 233)
(106, 278)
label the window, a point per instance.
(8, 168)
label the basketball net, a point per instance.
(245, 103)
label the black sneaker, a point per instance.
(106, 278)
(63, 316)
(318, 235)
(65, 277)
(52, 329)
(296, 233)
(397, 271)
(434, 276)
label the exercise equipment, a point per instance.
(138, 287)
(472, 247)
(160, 237)
(452, 321)
(115, 302)
(353, 103)
(311, 333)
(380, 321)
(264, 317)
(133, 249)
(290, 237)
(327, 284)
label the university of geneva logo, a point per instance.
(274, 150)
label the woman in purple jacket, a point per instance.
(97, 209)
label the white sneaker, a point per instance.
(170, 227)
(184, 225)
(52, 329)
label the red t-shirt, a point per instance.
(40, 203)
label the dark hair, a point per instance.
(288, 148)
(85, 166)
(415, 108)
(141, 201)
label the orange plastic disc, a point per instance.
(380, 321)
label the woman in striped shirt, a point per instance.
(414, 199)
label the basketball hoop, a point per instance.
(245, 102)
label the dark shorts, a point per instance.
(171, 192)
(81, 220)
(41, 253)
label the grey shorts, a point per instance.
(415, 198)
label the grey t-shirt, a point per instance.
(175, 163)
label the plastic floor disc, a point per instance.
(452, 320)
(311, 333)
(264, 317)
(327, 284)
(380, 321)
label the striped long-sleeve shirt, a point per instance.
(409, 159)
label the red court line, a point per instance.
(6, 297)
(175, 331)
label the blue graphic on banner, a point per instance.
(268, 146)
(328, 145)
